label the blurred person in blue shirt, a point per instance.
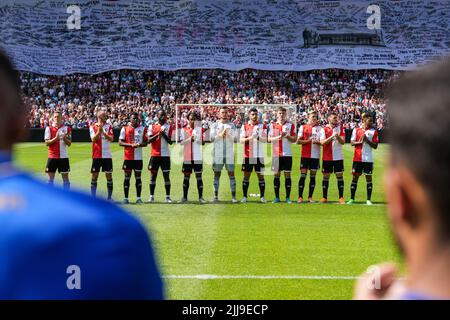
(57, 244)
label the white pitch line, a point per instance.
(214, 277)
(363, 204)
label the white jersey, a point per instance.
(281, 147)
(192, 150)
(307, 132)
(160, 147)
(363, 152)
(133, 135)
(254, 148)
(333, 150)
(223, 147)
(101, 149)
(59, 149)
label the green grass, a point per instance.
(251, 239)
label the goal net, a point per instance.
(238, 113)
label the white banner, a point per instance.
(91, 36)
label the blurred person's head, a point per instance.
(313, 119)
(333, 119)
(134, 119)
(102, 116)
(223, 114)
(281, 114)
(367, 120)
(162, 116)
(253, 115)
(193, 117)
(57, 118)
(417, 179)
(12, 109)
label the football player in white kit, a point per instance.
(223, 134)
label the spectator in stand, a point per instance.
(348, 93)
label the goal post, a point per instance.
(267, 110)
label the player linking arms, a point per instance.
(282, 135)
(57, 139)
(332, 140)
(308, 136)
(224, 135)
(133, 137)
(364, 140)
(192, 140)
(101, 136)
(253, 136)
(159, 136)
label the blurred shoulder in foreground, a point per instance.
(57, 244)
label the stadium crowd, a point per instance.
(79, 97)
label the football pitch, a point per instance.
(253, 250)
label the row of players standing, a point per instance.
(254, 135)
